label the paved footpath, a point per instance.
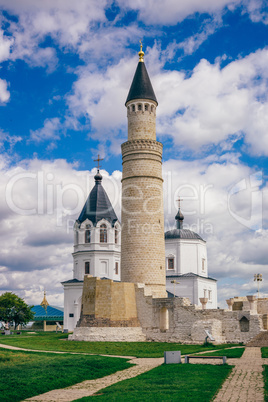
(89, 387)
(245, 383)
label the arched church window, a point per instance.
(139, 107)
(87, 268)
(87, 234)
(116, 234)
(103, 233)
(133, 108)
(170, 263)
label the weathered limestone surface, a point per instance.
(108, 334)
(108, 304)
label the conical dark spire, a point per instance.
(98, 205)
(179, 218)
(141, 87)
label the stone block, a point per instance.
(173, 357)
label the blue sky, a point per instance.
(65, 73)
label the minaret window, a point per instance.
(87, 268)
(116, 233)
(87, 234)
(103, 233)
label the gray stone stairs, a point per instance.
(261, 340)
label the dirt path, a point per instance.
(245, 383)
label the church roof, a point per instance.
(98, 205)
(182, 234)
(179, 232)
(48, 314)
(190, 275)
(141, 87)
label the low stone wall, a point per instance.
(105, 334)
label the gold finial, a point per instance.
(179, 201)
(141, 53)
(44, 302)
(98, 160)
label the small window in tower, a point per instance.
(103, 233)
(133, 108)
(71, 315)
(116, 268)
(87, 235)
(77, 238)
(170, 263)
(152, 108)
(116, 233)
(146, 108)
(203, 264)
(209, 295)
(87, 268)
(139, 107)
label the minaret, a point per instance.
(142, 244)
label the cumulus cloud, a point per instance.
(213, 105)
(208, 27)
(173, 11)
(43, 199)
(5, 45)
(50, 131)
(4, 93)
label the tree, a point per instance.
(14, 309)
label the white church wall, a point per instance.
(193, 288)
(72, 304)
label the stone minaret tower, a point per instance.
(142, 240)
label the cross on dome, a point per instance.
(98, 160)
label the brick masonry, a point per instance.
(143, 245)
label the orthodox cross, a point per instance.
(179, 201)
(98, 160)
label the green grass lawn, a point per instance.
(265, 375)
(58, 342)
(264, 352)
(173, 382)
(26, 374)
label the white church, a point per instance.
(97, 248)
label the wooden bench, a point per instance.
(187, 358)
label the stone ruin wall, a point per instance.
(175, 320)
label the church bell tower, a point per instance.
(142, 244)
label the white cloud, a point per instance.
(215, 103)
(42, 201)
(5, 45)
(51, 131)
(213, 106)
(173, 11)
(192, 43)
(4, 93)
